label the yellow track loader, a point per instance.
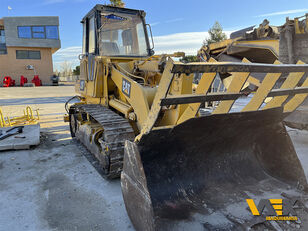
(287, 43)
(139, 113)
(263, 44)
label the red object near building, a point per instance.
(23, 80)
(36, 80)
(8, 82)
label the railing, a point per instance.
(288, 96)
(27, 119)
(72, 78)
(241, 73)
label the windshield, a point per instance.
(122, 35)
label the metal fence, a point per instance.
(72, 78)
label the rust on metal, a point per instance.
(225, 67)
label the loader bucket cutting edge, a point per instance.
(204, 165)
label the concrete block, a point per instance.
(29, 137)
(298, 119)
(29, 85)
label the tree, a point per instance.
(117, 3)
(66, 68)
(190, 59)
(216, 34)
(76, 71)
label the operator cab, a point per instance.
(115, 32)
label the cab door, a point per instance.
(81, 86)
(91, 48)
(88, 66)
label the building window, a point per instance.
(3, 50)
(52, 32)
(28, 54)
(38, 32)
(24, 32)
(2, 36)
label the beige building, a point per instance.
(26, 47)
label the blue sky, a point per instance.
(176, 24)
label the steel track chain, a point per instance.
(116, 130)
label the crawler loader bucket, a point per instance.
(197, 174)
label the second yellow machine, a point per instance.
(140, 111)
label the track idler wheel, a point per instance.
(73, 123)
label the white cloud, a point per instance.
(154, 23)
(69, 54)
(167, 21)
(283, 12)
(188, 42)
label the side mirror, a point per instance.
(150, 29)
(82, 56)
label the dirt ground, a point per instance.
(54, 186)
